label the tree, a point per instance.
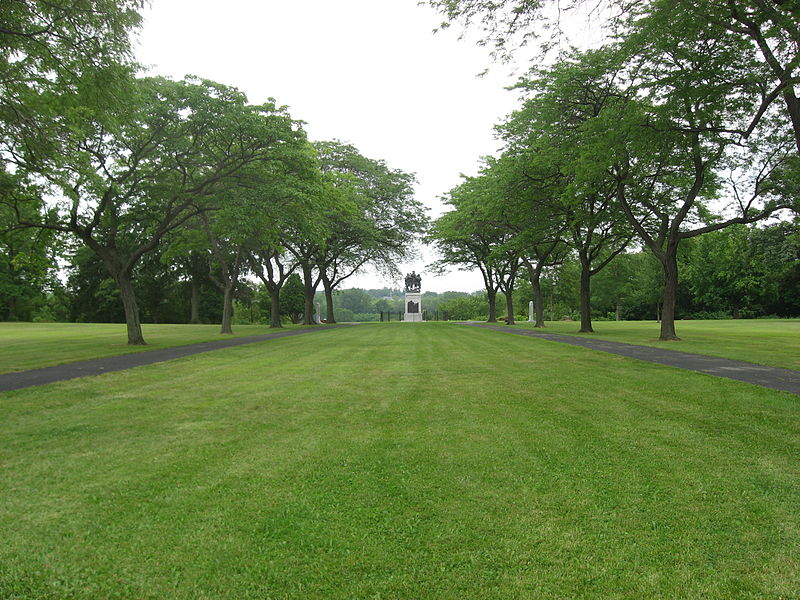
(466, 308)
(776, 252)
(292, 298)
(175, 147)
(720, 272)
(277, 195)
(27, 257)
(760, 40)
(305, 249)
(288, 203)
(681, 150)
(230, 255)
(374, 218)
(273, 268)
(746, 32)
(465, 238)
(531, 207)
(555, 132)
(655, 144)
(52, 53)
(356, 300)
(741, 270)
(613, 286)
(94, 295)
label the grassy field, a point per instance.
(400, 461)
(32, 345)
(774, 342)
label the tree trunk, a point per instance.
(308, 308)
(669, 300)
(330, 317)
(308, 292)
(492, 306)
(793, 106)
(619, 306)
(586, 297)
(135, 337)
(538, 300)
(194, 303)
(510, 308)
(227, 310)
(275, 307)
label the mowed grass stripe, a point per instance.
(402, 461)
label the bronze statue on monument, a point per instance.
(413, 282)
(413, 302)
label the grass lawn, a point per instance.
(400, 461)
(774, 342)
(32, 345)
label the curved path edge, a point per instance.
(98, 366)
(785, 380)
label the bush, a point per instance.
(709, 315)
(343, 315)
(43, 314)
(362, 317)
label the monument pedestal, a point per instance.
(413, 307)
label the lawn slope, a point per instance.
(400, 461)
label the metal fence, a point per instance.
(436, 315)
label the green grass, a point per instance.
(773, 342)
(33, 345)
(400, 461)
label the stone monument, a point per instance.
(413, 305)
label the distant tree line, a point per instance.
(670, 139)
(165, 200)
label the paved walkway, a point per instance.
(98, 366)
(775, 378)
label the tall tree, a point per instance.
(279, 193)
(374, 220)
(656, 144)
(292, 299)
(229, 262)
(292, 204)
(173, 149)
(676, 153)
(556, 129)
(27, 257)
(747, 32)
(61, 49)
(532, 209)
(467, 237)
(274, 268)
(305, 249)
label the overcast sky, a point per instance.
(368, 72)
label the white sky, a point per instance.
(368, 72)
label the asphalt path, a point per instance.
(775, 378)
(98, 366)
(785, 380)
